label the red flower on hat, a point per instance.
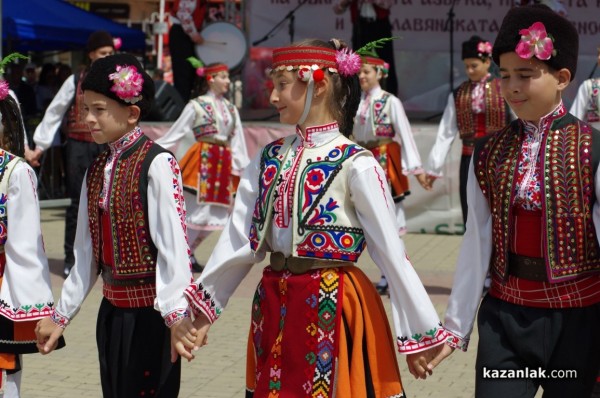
(535, 42)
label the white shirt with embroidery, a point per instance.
(232, 257)
(167, 230)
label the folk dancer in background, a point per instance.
(212, 166)
(475, 109)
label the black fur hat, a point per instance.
(560, 30)
(99, 38)
(476, 47)
(98, 80)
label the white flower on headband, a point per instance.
(306, 72)
(127, 83)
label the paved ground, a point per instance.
(218, 370)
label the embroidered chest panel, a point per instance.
(382, 125)
(133, 251)
(570, 245)
(206, 122)
(5, 159)
(495, 109)
(321, 200)
(592, 114)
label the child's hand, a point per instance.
(425, 181)
(47, 333)
(441, 355)
(418, 364)
(183, 339)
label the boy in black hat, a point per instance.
(475, 109)
(533, 195)
(81, 149)
(131, 231)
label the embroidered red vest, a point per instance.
(570, 244)
(134, 253)
(496, 115)
(76, 127)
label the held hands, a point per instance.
(188, 336)
(33, 156)
(47, 333)
(426, 181)
(422, 363)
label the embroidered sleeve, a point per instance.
(422, 341)
(456, 341)
(59, 319)
(175, 316)
(201, 301)
(185, 16)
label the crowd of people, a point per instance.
(528, 271)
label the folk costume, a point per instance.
(66, 111)
(25, 289)
(382, 127)
(586, 105)
(187, 19)
(533, 191)
(212, 166)
(131, 233)
(473, 110)
(318, 325)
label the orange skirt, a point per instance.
(321, 334)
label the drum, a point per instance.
(223, 42)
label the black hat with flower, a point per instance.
(476, 47)
(537, 31)
(122, 78)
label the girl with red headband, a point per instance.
(211, 167)
(313, 201)
(382, 126)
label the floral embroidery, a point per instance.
(127, 83)
(535, 42)
(59, 319)
(175, 316)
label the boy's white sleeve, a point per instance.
(447, 132)
(166, 221)
(471, 267)
(53, 117)
(84, 273)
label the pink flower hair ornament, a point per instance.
(348, 62)
(3, 89)
(127, 83)
(535, 41)
(117, 43)
(484, 48)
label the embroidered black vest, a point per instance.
(134, 253)
(496, 114)
(570, 245)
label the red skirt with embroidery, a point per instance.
(206, 171)
(389, 157)
(324, 333)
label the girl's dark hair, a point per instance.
(13, 139)
(346, 90)
(201, 84)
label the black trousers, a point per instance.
(465, 160)
(134, 348)
(517, 337)
(79, 156)
(366, 30)
(181, 47)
